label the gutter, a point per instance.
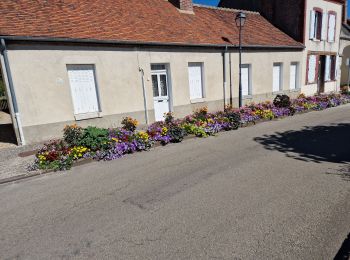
(116, 42)
(12, 94)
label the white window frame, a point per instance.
(280, 65)
(89, 115)
(197, 99)
(315, 69)
(297, 75)
(314, 24)
(331, 38)
(250, 88)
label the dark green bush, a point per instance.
(282, 101)
(95, 138)
(176, 134)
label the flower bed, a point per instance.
(108, 144)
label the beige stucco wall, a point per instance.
(43, 92)
(321, 46)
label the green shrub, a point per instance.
(176, 134)
(95, 138)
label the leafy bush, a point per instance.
(129, 124)
(282, 101)
(72, 134)
(95, 138)
(176, 134)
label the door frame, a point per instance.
(321, 74)
(169, 82)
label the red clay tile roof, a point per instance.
(156, 21)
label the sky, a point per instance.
(206, 2)
(215, 2)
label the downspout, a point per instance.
(230, 68)
(224, 74)
(144, 94)
(12, 93)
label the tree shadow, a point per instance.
(7, 134)
(316, 144)
(344, 251)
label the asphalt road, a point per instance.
(278, 190)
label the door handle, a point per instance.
(159, 101)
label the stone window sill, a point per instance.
(86, 116)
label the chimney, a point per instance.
(185, 6)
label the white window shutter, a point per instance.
(195, 81)
(324, 26)
(327, 72)
(245, 80)
(331, 27)
(337, 68)
(312, 69)
(83, 88)
(312, 24)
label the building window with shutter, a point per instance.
(246, 80)
(277, 77)
(83, 87)
(317, 24)
(294, 76)
(332, 21)
(196, 80)
(311, 73)
(333, 69)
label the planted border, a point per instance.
(109, 144)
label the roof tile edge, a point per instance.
(226, 9)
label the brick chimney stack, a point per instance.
(183, 5)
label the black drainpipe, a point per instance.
(12, 95)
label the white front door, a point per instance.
(160, 93)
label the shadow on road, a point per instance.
(312, 144)
(344, 251)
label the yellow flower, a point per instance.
(164, 131)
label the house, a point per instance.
(345, 53)
(95, 62)
(316, 24)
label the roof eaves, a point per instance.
(174, 44)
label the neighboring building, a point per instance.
(345, 53)
(316, 24)
(96, 62)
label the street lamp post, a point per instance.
(240, 21)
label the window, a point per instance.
(246, 80)
(83, 88)
(294, 76)
(195, 76)
(277, 77)
(311, 69)
(318, 25)
(330, 68)
(331, 26)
